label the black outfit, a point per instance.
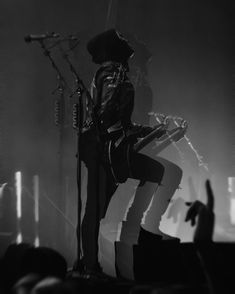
(113, 102)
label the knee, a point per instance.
(161, 172)
(173, 174)
(178, 173)
(155, 175)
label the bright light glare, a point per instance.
(18, 184)
(231, 185)
(36, 208)
(36, 197)
(19, 238)
(232, 211)
(36, 242)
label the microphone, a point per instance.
(73, 41)
(30, 38)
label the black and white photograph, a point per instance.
(117, 146)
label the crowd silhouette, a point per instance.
(200, 266)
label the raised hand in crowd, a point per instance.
(202, 215)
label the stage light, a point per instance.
(231, 191)
(37, 242)
(19, 238)
(2, 186)
(18, 188)
(36, 208)
(36, 197)
(231, 185)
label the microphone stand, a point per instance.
(62, 85)
(80, 90)
(59, 75)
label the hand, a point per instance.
(205, 215)
(194, 210)
(166, 122)
(181, 131)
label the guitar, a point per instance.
(119, 149)
(171, 136)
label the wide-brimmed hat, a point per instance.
(109, 46)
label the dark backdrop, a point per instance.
(189, 75)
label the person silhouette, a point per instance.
(108, 138)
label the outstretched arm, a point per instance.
(204, 213)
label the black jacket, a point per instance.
(113, 101)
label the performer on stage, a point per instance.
(108, 138)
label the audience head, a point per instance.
(12, 262)
(25, 284)
(44, 261)
(48, 285)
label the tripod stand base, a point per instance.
(79, 266)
